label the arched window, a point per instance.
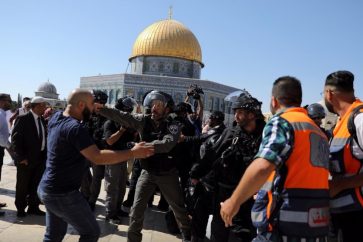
(118, 94)
(178, 98)
(111, 96)
(216, 104)
(140, 94)
(210, 103)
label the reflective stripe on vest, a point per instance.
(343, 162)
(342, 201)
(304, 211)
(315, 217)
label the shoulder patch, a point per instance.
(138, 116)
(211, 131)
(173, 128)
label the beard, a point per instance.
(86, 113)
(157, 115)
(329, 106)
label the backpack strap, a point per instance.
(351, 126)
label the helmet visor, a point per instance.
(129, 102)
(154, 98)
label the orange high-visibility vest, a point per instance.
(343, 162)
(299, 205)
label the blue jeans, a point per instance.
(68, 208)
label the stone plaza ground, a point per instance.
(32, 228)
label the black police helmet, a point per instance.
(161, 96)
(316, 110)
(247, 102)
(217, 115)
(99, 96)
(183, 107)
(126, 104)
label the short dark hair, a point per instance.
(341, 80)
(26, 99)
(4, 96)
(287, 90)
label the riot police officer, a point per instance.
(117, 137)
(159, 169)
(234, 151)
(184, 150)
(199, 195)
(95, 127)
(317, 113)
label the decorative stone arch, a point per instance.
(210, 103)
(111, 97)
(140, 95)
(118, 94)
(216, 104)
(178, 97)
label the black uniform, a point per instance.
(91, 185)
(200, 197)
(235, 150)
(157, 170)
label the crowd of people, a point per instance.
(282, 179)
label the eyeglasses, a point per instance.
(328, 90)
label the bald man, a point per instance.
(69, 146)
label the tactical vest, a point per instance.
(344, 162)
(210, 139)
(161, 162)
(95, 129)
(237, 156)
(295, 198)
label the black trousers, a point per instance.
(27, 181)
(242, 228)
(350, 224)
(200, 214)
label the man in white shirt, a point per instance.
(5, 103)
(346, 154)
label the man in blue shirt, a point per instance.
(69, 148)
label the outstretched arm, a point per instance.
(110, 157)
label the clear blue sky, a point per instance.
(245, 44)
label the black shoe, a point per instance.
(122, 213)
(113, 220)
(21, 214)
(35, 211)
(2, 205)
(2, 213)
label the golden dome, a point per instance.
(167, 38)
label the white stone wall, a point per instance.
(119, 85)
(165, 66)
